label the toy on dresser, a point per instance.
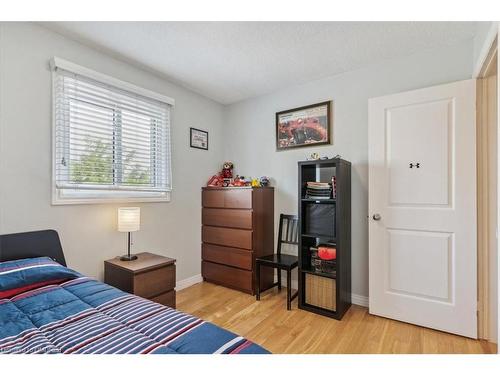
(225, 179)
(265, 181)
(239, 181)
(227, 173)
(215, 181)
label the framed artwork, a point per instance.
(199, 138)
(304, 126)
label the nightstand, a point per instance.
(150, 276)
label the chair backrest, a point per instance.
(288, 231)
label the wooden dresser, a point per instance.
(237, 227)
(150, 276)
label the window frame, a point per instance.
(62, 196)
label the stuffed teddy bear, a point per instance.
(227, 170)
(227, 174)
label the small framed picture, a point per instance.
(304, 126)
(199, 138)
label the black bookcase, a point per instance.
(325, 222)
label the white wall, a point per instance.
(250, 131)
(88, 232)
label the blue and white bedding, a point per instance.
(48, 308)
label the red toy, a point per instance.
(227, 170)
(327, 253)
(227, 173)
(215, 181)
(239, 181)
(225, 177)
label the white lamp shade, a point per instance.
(129, 219)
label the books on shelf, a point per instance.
(318, 190)
(315, 184)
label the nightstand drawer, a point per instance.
(167, 299)
(154, 282)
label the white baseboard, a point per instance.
(356, 299)
(186, 283)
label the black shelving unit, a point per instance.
(331, 221)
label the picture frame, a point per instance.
(306, 126)
(198, 138)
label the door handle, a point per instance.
(377, 217)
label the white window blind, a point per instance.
(109, 139)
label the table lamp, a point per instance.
(129, 220)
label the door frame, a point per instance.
(484, 251)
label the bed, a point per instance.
(46, 307)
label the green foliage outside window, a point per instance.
(95, 166)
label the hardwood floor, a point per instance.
(269, 324)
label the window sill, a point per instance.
(60, 197)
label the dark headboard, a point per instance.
(42, 243)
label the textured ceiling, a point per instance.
(232, 61)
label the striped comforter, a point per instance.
(48, 308)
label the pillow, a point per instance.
(17, 276)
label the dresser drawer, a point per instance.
(155, 282)
(240, 238)
(212, 198)
(230, 198)
(235, 198)
(167, 299)
(227, 255)
(227, 276)
(227, 218)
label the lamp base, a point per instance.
(128, 257)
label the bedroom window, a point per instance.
(111, 139)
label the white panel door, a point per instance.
(422, 207)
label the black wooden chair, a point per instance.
(288, 233)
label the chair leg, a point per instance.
(279, 278)
(288, 289)
(257, 287)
